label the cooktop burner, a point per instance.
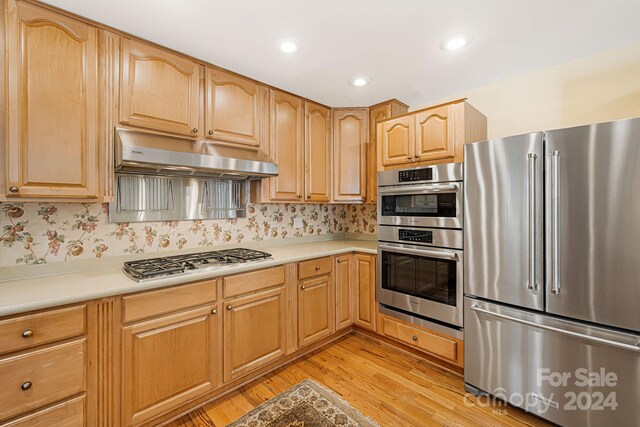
(181, 264)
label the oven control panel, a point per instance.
(425, 174)
(422, 236)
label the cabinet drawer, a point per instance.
(254, 281)
(70, 413)
(40, 377)
(420, 339)
(155, 303)
(28, 331)
(314, 267)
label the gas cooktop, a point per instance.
(154, 268)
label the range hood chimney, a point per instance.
(148, 153)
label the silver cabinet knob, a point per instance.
(26, 385)
(229, 307)
(409, 157)
(214, 311)
(416, 157)
(194, 130)
(27, 334)
(14, 189)
(303, 287)
(210, 132)
(308, 196)
(339, 261)
(317, 268)
(415, 338)
(299, 196)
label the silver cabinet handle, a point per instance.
(478, 308)
(415, 338)
(27, 334)
(555, 222)
(214, 311)
(413, 189)
(421, 252)
(26, 385)
(303, 287)
(14, 189)
(229, 307)
(533, 282)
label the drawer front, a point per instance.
(420, 339)
(254, 281)
(70, 413)
(32, 330)
(314, 267)
(40, 377)
(155, 303)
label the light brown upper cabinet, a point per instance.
(435, 138)
(286, 144)
(236, 109)
(429, 136)
(350, 130)
(52, 114)
(317, 153)
(397, 140)
(379, 112)
(159, 90)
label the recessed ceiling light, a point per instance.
(360, 81)
(288, 47)
(457, 42)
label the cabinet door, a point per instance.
(287, 145)
(376, 114)
(317, 149)
(158, 90)
(234, 109)
(168, 361)
(396, 140)
(435, 137)
(344, 274)
(254, 332)
(351, 129)
(365, 278)
(316, 310)
(52, 113)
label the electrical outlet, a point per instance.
(297, 222)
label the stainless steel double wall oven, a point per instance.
(420, 238)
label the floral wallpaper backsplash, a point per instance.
(37, 233)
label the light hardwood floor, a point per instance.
(391, 386)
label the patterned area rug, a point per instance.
(307, 404)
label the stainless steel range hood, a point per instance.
(149, 153)
(161, 178)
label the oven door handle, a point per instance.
(421, 252)
(434, 188)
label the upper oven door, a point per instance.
(425, 205)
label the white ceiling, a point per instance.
(394, 43)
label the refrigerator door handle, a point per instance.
(533, 282)
(555, 222)
(636, 348)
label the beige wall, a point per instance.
(594, 89)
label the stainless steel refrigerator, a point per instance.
(552, 272)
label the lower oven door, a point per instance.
(421, 280)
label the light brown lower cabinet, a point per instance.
(172, 346)
(343, 277)
(254, 332)
(365, 284)
(168, 361)
(316, 309)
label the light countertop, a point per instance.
(22, 295)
